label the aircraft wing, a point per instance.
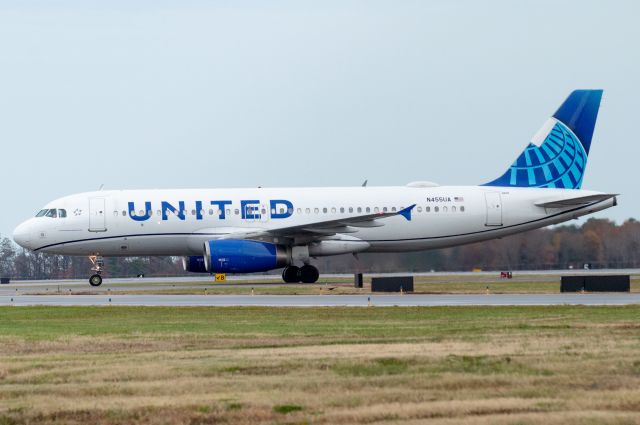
(574, 202)
(315, 230)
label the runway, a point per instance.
(418, 300)
(115, 285)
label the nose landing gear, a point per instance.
(98, 264)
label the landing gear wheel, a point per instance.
(309, 274)
(95, 280)
(290, 274)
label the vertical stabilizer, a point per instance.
(557, 154)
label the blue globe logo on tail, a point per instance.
(561, 159)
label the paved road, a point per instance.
(323, 300)
(199, 281)
(257, 277)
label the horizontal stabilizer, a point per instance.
(559, 202)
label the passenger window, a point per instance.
(444, 209)
(393, 209)
(359, 209)
(324, 210)
(299, 210)
(281, 210)
(341, 209)
(427, 209)
(461, 209)
(333, 210)
(124, 213)
(307, 210)
(419, 209)
(350, 209)
(263, 211)
(193, 212)
(115, 213)
(236, 211)
(436, 209)
(384, 209)
(228, 211)
(316, 210)
(376, 209)
(159, 213)
(453, 209)
(368, 209)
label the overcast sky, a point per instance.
(291, 93)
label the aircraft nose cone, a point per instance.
(22, 235)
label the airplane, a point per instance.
(261, 229)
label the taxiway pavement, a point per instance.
(408, 300)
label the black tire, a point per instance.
(95, 280)
(291, 274)
(309, 274)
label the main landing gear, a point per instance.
(304, 274)
(98, 264)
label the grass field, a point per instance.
(504, 365)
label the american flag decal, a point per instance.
(458, 199)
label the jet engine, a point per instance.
(244, 256)
(194, 264)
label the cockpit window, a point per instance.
(52, 213)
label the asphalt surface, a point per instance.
(199, 281)
(324, 300)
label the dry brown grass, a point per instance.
(588, 372)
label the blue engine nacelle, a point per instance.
(194, 264)
(243, 256)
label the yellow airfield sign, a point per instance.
(221, 277)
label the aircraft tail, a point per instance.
(557, 154)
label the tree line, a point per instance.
(598, 242)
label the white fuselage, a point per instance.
(101, 223)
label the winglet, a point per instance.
(406, 213)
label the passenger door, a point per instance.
(97, 215)
(494, 208)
